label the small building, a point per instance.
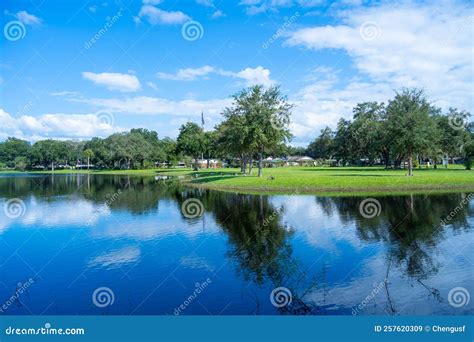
(300, 161)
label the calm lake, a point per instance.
(118, 245)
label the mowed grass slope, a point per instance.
(332, 179)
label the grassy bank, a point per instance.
(347, 179)
(313, 179)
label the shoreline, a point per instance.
(321, 181)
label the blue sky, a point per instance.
(77, 69)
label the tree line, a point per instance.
(400, 133)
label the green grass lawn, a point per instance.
(315, 179)
(322, 179)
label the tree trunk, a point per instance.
(260, 164)
(52, 166)
(447, 162)
(244, 167)
(88, 162)
(250, 166)
(196, 164)
(242, 163)
(410, 165)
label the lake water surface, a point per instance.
(117, 245)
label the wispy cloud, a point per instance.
(251, 76)
(155, 16)
(114, 81)
(28, 19)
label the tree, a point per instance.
(323, 145)
(264, 117)
(409, 124)
(89, 154)
(191, 141)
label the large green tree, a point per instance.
(191, 141)
(409, 124)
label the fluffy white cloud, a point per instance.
(27, 18)
(405, 46)
(61, 126)
(391, 46)
(187, 74)
(114, 81)
(155, 16)
(158, 106)
(251, 76)
(258, 75)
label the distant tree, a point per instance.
(409, 124)
(88, 153)
(264, 117)
(13, 148)
(323, 145)
(191, 141)
(342, 141)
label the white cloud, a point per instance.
(404, 46)
(258, 75)
(251, 76)
(159, 106)
(155, 15)
(187, 74)
(59, 126)
(27, 18)
(114, 81)
(217, 14)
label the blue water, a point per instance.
(75, 234)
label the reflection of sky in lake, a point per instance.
(153, 260)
